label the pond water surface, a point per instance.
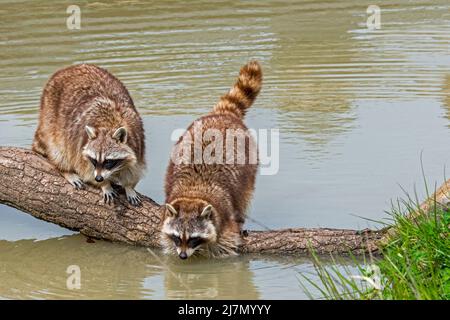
(356, 109)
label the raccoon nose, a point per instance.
(183, 255)
(99, 178)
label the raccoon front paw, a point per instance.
(134, 200)
(132, 197)
(109, 195)
(74, 180)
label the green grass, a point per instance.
(415, 264)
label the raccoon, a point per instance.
(91, 131)
(206, 203)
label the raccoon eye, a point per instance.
(109, 164)
(93, 161)
(195, 242)
(176, 240)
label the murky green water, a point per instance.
(355, 109)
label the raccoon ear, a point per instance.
(171, 210)
(207, 211)
(120, 135)
(90, 132)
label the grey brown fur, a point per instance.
(209, 201)
(88, 121)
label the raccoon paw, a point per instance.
(74, 180)
(109, 196)
(134, 200)
(132, 197)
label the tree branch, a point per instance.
(31, 184)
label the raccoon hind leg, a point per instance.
(39, 146)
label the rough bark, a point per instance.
(31, 184)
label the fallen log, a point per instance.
(31, 184)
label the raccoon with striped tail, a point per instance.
(206, 203)
(91, 131)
